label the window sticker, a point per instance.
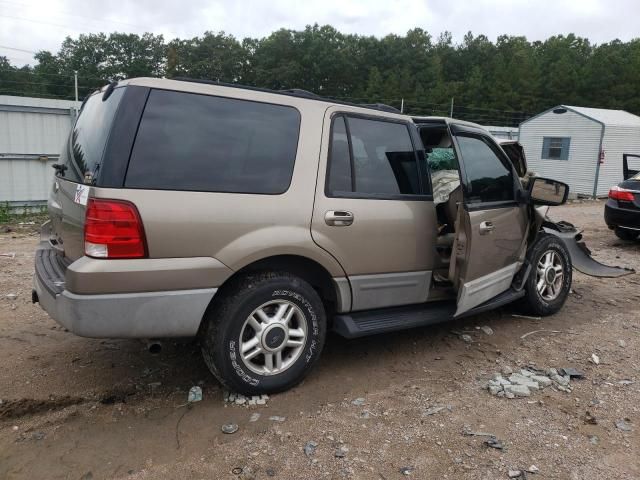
(82, 194)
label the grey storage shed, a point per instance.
(32, 131)
(581, 146)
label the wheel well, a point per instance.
(309, 270)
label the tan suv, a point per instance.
(257, 220)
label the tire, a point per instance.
(553, 294)
(625, 234)
(247, 316)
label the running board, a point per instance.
(385, 320)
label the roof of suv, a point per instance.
(212, 87)
(209, 87)
(447, 120)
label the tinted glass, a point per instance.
(82, 154)
(489, 179)
(339, 160)
(383, 157)
(204, 143)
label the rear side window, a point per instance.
(204, 143)
(340, 163)
(82, 154)
(372, 157)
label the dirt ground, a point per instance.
(76, 408)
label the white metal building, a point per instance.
(32, 132)
(580, 146)
(503, 133)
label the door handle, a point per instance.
(338, 218)
(486, 227)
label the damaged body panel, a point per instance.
(580, 253)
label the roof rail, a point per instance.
(299, 92)
(293, 92)
(381, 106)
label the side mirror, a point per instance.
(545, 191)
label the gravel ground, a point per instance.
(75, 408)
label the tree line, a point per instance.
(491, 82)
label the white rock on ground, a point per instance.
(517, 390)
(487, 330)
(542, 380)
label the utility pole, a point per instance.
(75, 81)
(451, 112)
(402, 106)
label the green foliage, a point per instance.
(492, 82)
(5, 212)
(24, 214)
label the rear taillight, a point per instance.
(113, 229)
(619, 193)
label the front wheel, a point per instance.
(264, 334)
(549, 281)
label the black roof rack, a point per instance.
(298, 92)
(292, 92)
(381, 106)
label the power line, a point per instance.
(64, 75)
(46, 84)
(93, 19)
(17, 49)
(66, 27)
(38, 95)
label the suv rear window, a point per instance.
(203, 143)
(82, 154)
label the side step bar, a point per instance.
(384, 320)
(371, 322)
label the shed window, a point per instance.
(555, 148)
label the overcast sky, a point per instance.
(34, 25)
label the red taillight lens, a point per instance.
(619, 193)
(113, 229)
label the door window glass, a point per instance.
(339, 160)
(489, 179)
(372, 157)
(383, 157)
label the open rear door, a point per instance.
(630, 165)
(492, 227)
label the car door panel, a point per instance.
(491, 235)
(387, 244)
(491, 258)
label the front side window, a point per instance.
(555, 148)
(489, 178)
(372, 157)
(204, 143)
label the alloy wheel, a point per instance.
(273, 337)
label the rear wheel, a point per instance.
(549, 281)
(265, 333)
(625, 233)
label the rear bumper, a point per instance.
(174, 313)
(614, 216)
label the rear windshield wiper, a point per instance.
(60, 168)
